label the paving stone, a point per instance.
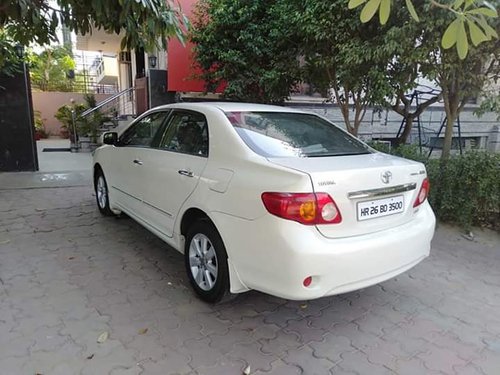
(332, 347)
(452, 342)
(281, 343)
(281, 316)
(279, 367)
(358, 338)
(223, 366)
(201, 352)
(252, 355)
(225, 342)
(468, 369)
(373, 324)
(440, 359)
(173, 362)
(304, 359)
(410, 345)
(413, 366)
(358, 363)
(305, 331)
(489, 362)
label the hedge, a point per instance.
(465, 190)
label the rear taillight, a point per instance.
(306, 208)
(423, 193)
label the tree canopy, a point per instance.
(49, 68)
(345, 58)
(246, 48)
(477, 15)
(146, 23)
(9, 60)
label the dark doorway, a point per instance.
(140, 63)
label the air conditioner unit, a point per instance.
(124, 57)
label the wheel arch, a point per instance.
(190, 216)
(193, 214)
(97, 168)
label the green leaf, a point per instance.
(489, 5)
(484, 11)
(369, 10)
(476, 34)
(462, 42)
(458, 4)
(450, 35)
(412, 10)
(469, 3)
(355, 3)
(490, 31)
(385, 11)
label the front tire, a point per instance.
(102, 194)
(205, 258)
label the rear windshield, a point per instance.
(281, 134)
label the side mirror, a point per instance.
(110, 138)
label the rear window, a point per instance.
(282, 134)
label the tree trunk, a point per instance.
(448, 138)
(451, 108)
(406, 131)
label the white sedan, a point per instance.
(267, 198)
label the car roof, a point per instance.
(231, 107)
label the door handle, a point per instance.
(185, 172)
(137, 161)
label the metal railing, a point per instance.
(79, 85)
(123, 103)
(111, 110)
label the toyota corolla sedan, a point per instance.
(266, 198)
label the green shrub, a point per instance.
(466, 190)
(384, 147)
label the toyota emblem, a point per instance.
(386, 177)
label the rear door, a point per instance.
(172, 170)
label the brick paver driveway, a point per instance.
(69, 276)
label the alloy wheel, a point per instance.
(203, 262)
(102, 192)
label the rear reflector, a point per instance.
(305, 208)
(307, 281)
(423, 193)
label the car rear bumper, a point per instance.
(274, 256)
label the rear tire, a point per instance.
(102, 194)
(205, 258)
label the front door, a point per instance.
(127, 183)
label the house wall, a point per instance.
(49, 102)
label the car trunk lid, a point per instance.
(373, 191)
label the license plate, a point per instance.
(380, 207)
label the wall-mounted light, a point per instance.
(152, 61)
(20, 50)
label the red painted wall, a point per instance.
(180, 61)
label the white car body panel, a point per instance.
(265, 252)
(339, 176)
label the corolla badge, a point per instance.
(386, 177)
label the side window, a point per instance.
(187, 132)
(143, 132)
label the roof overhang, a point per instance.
(99, 40)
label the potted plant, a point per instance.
(40, 131)
(65, 116)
